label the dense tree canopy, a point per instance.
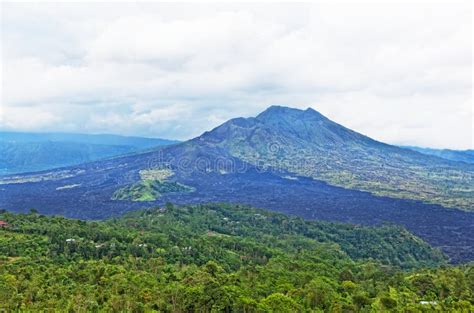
(222, 258)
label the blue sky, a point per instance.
(400, 73)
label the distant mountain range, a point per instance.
(293, 161)
(448, 154)
(29, 152)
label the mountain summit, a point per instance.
(281, 112)
(279, 123)
(309, 125)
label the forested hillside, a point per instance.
(221, 258)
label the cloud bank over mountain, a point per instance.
(400, 73)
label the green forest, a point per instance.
(222, 258)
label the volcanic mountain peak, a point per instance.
(300, 127)
(308, 125)
(276, 112)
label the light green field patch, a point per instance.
(34, 178)
(159, 174)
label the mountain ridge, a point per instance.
(466, 156)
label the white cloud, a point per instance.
(28, 118)
(400, 73)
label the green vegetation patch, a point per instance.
(151, 186)
(149, 190)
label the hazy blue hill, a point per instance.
(28, 152)
(466, 156)
(102, 139)
(36, 156)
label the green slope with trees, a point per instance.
(220, 257)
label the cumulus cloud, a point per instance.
(400, 73)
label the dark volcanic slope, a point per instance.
(220, 177)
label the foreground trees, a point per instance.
(222, 258)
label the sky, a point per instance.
(400, 73)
